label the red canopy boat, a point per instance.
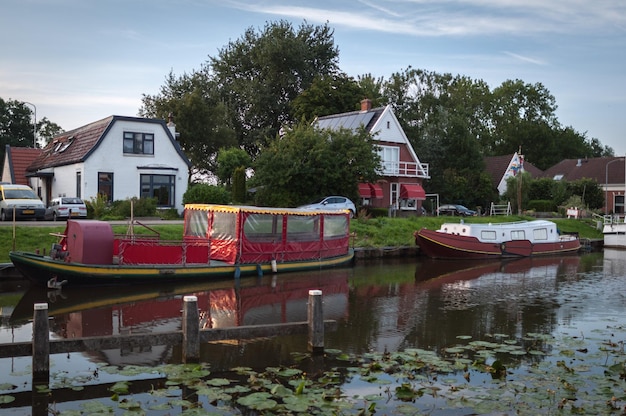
(218, 241)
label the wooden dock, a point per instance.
(190, 337)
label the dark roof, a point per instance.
(597, 168)
(19, 158)
(80, 143)
(76, 145)
(496, 167)
(351, 120)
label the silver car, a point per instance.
(65, 208)
(332, 203)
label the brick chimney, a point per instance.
(366, 104)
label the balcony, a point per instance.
(405, 169)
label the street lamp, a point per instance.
(34, 124)
(606, 183)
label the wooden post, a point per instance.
(191, 330)
(41, 344)
(316, 322)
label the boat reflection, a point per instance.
(446, 298)
(380, 305)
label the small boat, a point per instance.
(495, 240)
(218, 241)
(614, 231)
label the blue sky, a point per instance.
(79, 61)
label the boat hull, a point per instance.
(442, 245)
(615, 235)
(41, 269)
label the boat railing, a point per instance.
(610, 219)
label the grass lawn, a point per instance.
(373, 232)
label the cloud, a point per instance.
(526, 58)
(431, 18)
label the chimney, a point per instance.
(366, 104)
(172, 126)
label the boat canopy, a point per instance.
(248, 234)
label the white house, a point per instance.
(116, 157)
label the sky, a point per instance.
(78, 61)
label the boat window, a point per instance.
(196, 223)
(540, 234)
(223, 226)
(303, 228)
(518, 235)
(263, 227)
(488, 235)
(335, 226)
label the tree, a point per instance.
(589, 191)
(16, 125)
(200, 116)
(47, 130)
(260, 74)
(330, 94)
(228, 161)
(442, 116)
(239, 185)
(517, 190)
(308, 163)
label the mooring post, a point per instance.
(191, 330)
(41, 344)
(316, 322)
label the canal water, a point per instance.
(381, 306)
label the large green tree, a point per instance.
(307, 163)
(444, 117)
(17, 129)
(199, 114)
(16, 125)
(260, 74)
(330, 94)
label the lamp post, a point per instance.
(606, 183)
(34, 124)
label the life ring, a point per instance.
(503, 247)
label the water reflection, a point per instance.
(380, 305)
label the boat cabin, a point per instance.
(243, 235)
(538, 231)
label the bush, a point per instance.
(169, 214)
(541, 205)
(141, 207)
(202, 193)
(97, 207)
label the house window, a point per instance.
(390, 157)
(161, 187)
(79, 180)
(619, 204)
(138, 143)
(105, 185)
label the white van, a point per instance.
(22, 200)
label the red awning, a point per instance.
(365, 191)
(377, 191)
(412, 191)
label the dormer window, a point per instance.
(64, 145)
(138, 143)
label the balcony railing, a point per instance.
(406, 169)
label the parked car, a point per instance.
(66, 207)
(332, 203)
(454, 209)
(22, 200)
